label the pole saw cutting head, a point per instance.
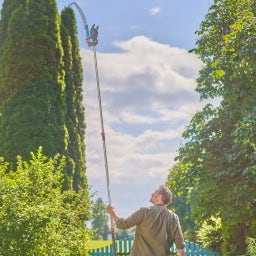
(93, 38)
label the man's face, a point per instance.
(154, 197)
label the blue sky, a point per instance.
(170, 22)
(147, 81)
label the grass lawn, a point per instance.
(93, 244)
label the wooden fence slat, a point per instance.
(124, 248)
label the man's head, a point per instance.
(162, 196)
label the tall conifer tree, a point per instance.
(74, 105)
(37, 108)
(12, 29)
(32, 82)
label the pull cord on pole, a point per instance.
(112, 229)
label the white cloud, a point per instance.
(148, 97)
(153, 11)
(131, 117)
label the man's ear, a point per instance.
(160, 197)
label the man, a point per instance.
(156, 226)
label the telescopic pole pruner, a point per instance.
(92, 40)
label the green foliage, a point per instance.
(123, 233)
(251, 246)
(209, 234)
(100, 220)
(36, 217)
(30, 48)
(226, 45)
(74, 116)
(179, 184)
(31, 119)
(216, 165)
(41, 86)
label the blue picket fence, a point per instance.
(123, 247)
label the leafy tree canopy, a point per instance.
(36, 216)
(216, 165)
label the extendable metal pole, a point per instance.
(112, 228)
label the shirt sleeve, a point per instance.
(133, 220)
(178, 237)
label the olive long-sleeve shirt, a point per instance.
(156, 229)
